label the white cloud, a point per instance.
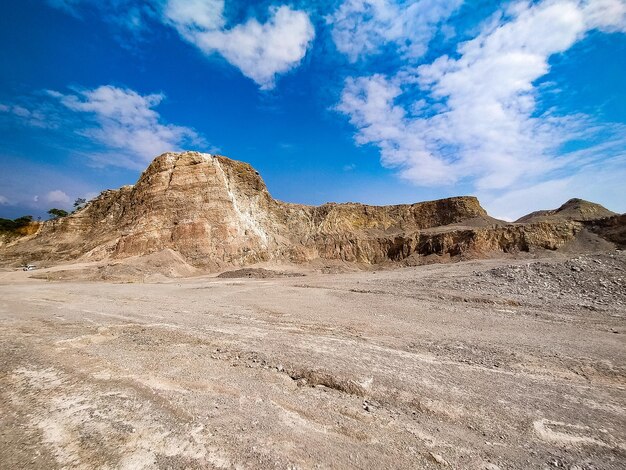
(20, 113)
(606, 15)
(363, 27)
(125, 125)
(260, 50)
(369, 101)
(128, 16)
(484, 127)
(58, 197)
(119, 126)
(3, 200)
(190, 15)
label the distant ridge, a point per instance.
(574, 209)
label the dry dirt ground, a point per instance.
(483, 364)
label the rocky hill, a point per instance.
(214, 212)
(574, 209)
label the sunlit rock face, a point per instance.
(217, 212)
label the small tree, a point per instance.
(57, 213)
(79, 203)
(8, 225)
(23, 221)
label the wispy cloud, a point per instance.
(108, 125)
(125, 125)
(68, 6)
(21, 113)
(473, 117)
(189, 16)
(364, 27)
(127, 16)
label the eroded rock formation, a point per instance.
(217, 212)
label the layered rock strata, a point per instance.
(217, 212)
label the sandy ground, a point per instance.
(464, 366)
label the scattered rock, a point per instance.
(258, 273)
(592, 282)
(490, 466)
(438, 459)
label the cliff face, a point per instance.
(217, 212)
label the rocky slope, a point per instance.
(216, 212)
(612, 229)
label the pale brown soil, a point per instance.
(472, 365)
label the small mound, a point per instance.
(586, 241)
(158, 266)
(256, 273)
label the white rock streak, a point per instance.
(246, 217)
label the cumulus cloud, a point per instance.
(58, 197)
(260, 50)
(363, 27)
(4, 200)
(476, 118)
(125, 125)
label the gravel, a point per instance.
(594, 281)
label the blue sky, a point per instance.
(521, 103)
